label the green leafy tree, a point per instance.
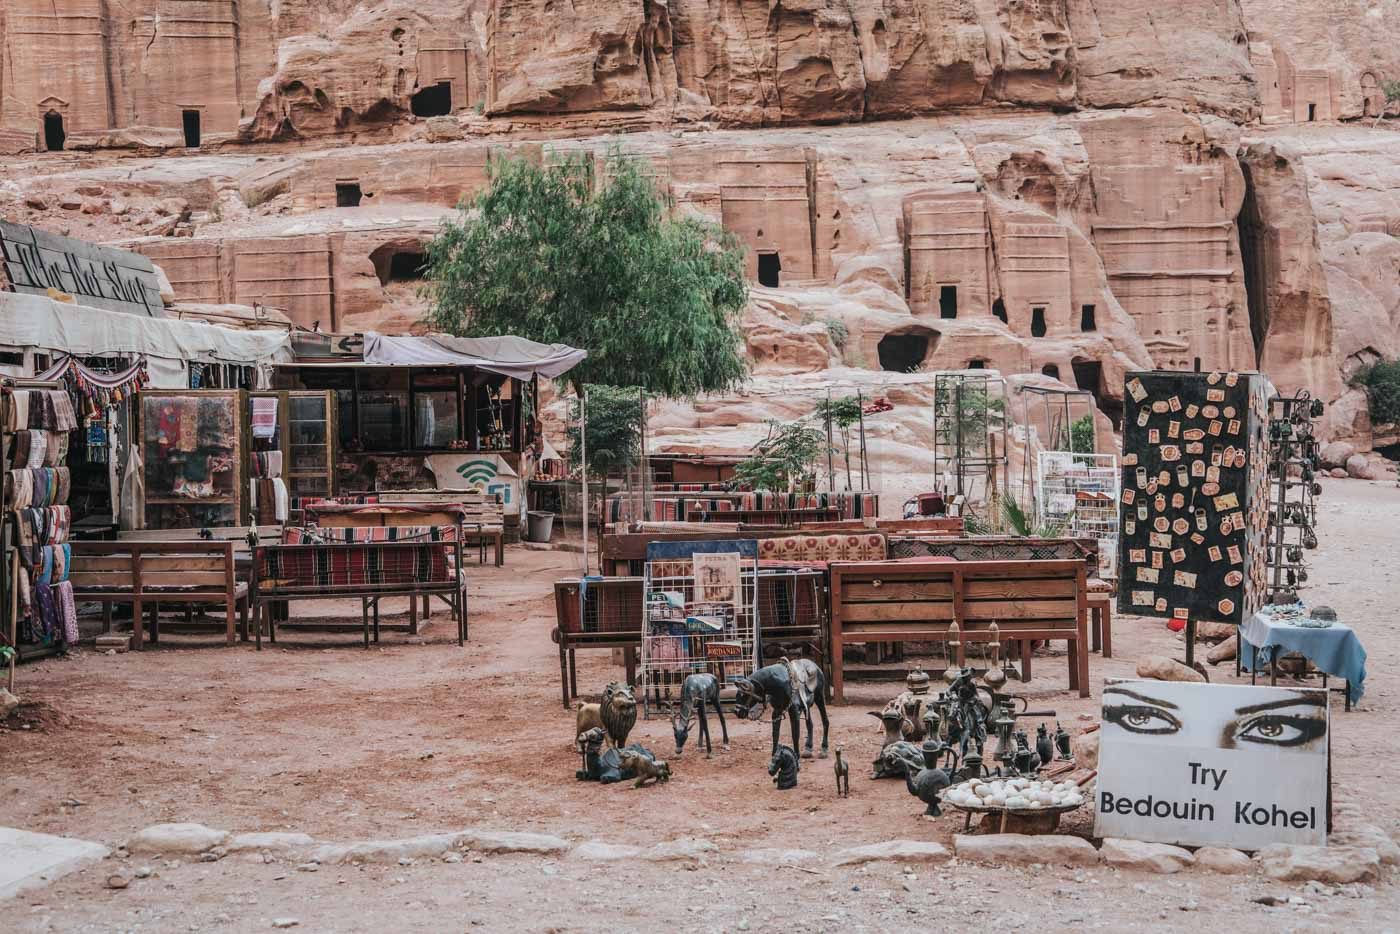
(786, 460)
(614, 431)
(1081, 435)
(841, 414)
(551, 253)
(1382, 384)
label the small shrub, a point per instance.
(1382, 384)
(838, 333)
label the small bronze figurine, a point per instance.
(843, 775)
(783, 768)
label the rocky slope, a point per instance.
(1056, 189)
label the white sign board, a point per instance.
(480, 472)
(1201, 764)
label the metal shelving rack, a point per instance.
(969, 436)
(689, 626)
(1081, 491)
(1293, 492)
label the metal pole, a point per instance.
(583, 455)
(830, 464)
(864, 469)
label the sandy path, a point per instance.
(415, 738)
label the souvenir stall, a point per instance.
(36, 420)
(291, 457)
(430, 412)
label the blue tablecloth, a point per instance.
(1335, 650)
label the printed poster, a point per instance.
(717, 577)
(480, 472)
(1213, 764)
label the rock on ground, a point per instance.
(1161, 668)
(777, 857)
(1335, 453)
(1360, 468)
(1223, 860)
(1085, 747)
(188, 839)
(1051, 849)
(1351, 833)
(1146, 857)
(430, 846)
(1335, 864)
(907, 850)
(683, 848)
(268, 842)
(1224, 651)
(31, 861)
(605, 852)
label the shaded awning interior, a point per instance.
(508, 355)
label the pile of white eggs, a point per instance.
(1014, 794)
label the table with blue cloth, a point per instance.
(1334, 650)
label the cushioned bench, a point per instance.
(146, 574)
(367, 551)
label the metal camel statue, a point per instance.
(787, 687)
(696, 692)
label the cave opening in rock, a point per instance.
(1312, 113)
(769, 266)
(191, 121)
(398, 263)
(1088, 375)
(54, 136)
(1037, 322)
(1253, 236)
(1087, 320)
(347, 194)
(999, 310)
(433, 101)
(903, 353)
(948, 301)
(1050, 370)
(978, 364)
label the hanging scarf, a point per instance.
(19, 410)
(67, 612)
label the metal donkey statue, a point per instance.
(696, 692)
(788, 687)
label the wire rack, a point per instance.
(693, 624)
(1080, 492)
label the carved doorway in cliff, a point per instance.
(54, 135)
(905, 351)
(769, 267)
(191, 120)
(433, 101)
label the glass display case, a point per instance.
(192, 449)
(310, 432)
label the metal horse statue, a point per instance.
(696, 692)
(788, 687)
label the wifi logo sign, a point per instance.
(477, 472)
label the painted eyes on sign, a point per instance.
(1142, 719)
(1279, 729)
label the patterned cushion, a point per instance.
(833, 546)
(338, 565)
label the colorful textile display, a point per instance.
(96, 390)
(340, 565)
(265, 417)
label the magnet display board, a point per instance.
(1194, 506)
(1212, 764)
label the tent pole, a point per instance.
(583, 454)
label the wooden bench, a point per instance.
(483, 516)
(416, 565)
(916, 600)
(147, 574)
(764, 517)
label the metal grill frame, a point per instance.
(669, 650)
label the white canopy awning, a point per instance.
(509, 356)
(40, 323)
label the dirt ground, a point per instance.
(420, 736)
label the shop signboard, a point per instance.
(1208, 764)
(478, 471)
(35, 261)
